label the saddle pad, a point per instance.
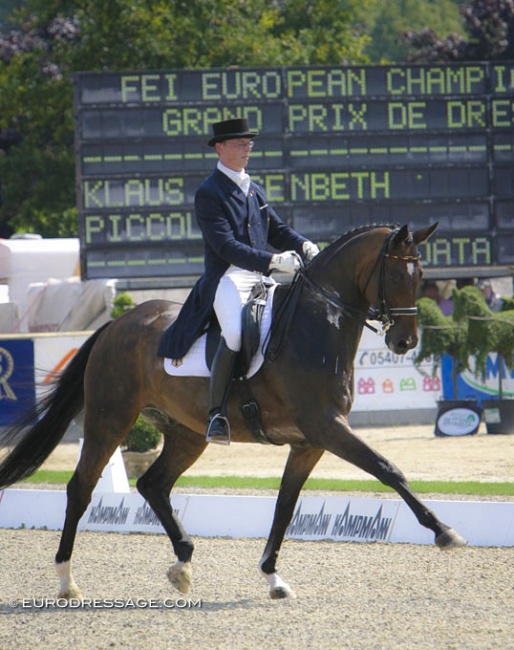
(194, 363)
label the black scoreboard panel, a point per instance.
(339, 147)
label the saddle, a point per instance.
(251, 319)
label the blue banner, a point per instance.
(17, 385)
(471, 386)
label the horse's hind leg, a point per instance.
(98, 447)
(300, 463)
(182, 447)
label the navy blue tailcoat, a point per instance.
(237, 230)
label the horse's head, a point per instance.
(392, 285)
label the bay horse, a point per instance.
(305, 391)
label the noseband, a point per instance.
(380, 312)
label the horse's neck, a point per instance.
(338, 276)
(321, 323)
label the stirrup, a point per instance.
(218, 430)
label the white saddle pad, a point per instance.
(194, 363)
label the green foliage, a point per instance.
(142, 437)
(36, 111)
(6, 7)
(122, 303)
(507, 303)
(440, 334)
(487, 331)
(488, 27)
(394, 18)
(473, 331)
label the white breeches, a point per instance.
(231, 296)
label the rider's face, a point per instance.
(234, 154)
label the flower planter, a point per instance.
(457, 417)
(499, 415)
(137, 462)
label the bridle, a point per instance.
(380, 312)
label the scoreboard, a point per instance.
(339, 147)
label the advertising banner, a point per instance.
(52, 354)
(471, 387)
(385, 381)
(338, 518)
(17, 391)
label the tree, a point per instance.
(36, 130)
(7, 7)
(51, 39)
(488, 25)
(392, 19)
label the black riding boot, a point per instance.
(218, 429)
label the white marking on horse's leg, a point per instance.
(450, 539)
(180, 576)
(68, 588)
(278, 588)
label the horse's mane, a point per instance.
(338, 243)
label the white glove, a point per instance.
(310, 250)
(288, 262)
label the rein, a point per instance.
(383, 313)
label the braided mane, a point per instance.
(336, 245)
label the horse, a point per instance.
(304, 389)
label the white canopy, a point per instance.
(44, 288)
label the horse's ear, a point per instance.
(422, 235)
(401, 236)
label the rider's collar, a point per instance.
(241, 179)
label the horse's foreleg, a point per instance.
(300, 464)
(338, 438)
(182, 448)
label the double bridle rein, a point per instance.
(380, 312)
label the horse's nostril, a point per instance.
(402, 346)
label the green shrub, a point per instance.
(440, 335)
(121, 304)
(507, 304)
(142, 437)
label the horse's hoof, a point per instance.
(180, 576)
(72, 592)
(284, 591)
(450, 539)
(278, 588)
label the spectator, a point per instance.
(493, 300)
(431, 290)
(445, 296)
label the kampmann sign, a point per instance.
(364, 520)
(316, 518)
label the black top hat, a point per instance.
(231, 129)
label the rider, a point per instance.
(237, 224)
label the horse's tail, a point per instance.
(40, 429)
